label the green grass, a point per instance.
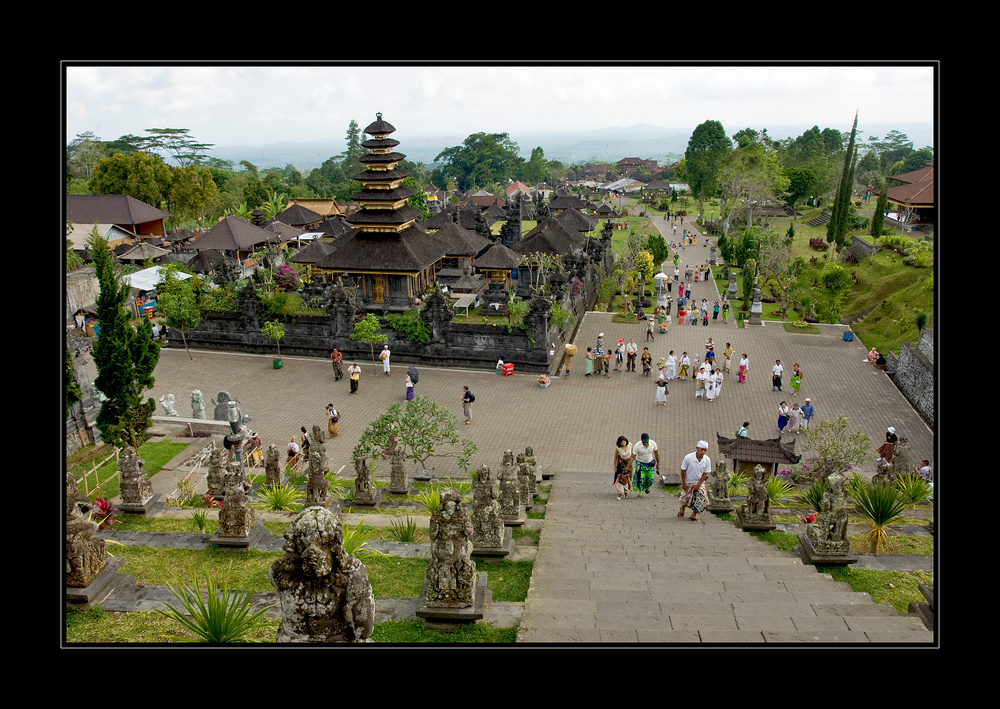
(153, 455)
(415, 631)
(895, 588)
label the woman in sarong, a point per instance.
(685, 367)
(661, 391)
(783, 412)
(744, 368)
(623, 466)
(796, 380)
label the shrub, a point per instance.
(219, 615)
(410, 325)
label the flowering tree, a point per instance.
(833, 448)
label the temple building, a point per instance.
(391, 261)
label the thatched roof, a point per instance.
(297, 215)
(462, 242)
(234, 234)
(409, 251)
(110, 209)
(550, 237)
(575, 220)
(498, 257)
(313, 252)
(768, 452)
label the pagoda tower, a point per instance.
(391, 261)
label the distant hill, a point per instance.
(667, 145)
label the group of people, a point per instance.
(637, 465)
(795, 382)
(599, 360)
(795, 419)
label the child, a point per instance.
(623, 482)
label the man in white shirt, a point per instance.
(776, 375)
(647, 464)
(694, 472)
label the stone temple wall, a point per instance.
(914, 373)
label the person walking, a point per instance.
(776, 371)
(715, 312)
(588, 368)
(647, 362)
(647, 464)
(293, 453)
(742, 433)
(744, 367)
(620, 354)
(569, 351)
(599, 359)
(384, 356)
(727, 355)
(305, 443)
(694, 472)
(631, 349)
(337, 359)
(671, 366)
(807, 413)
(794, 418)
(783, 413)
(661, 391)
(623, 466)
(796, 379)
(649, 330)
(467, 398)
(354, 372)
(408, 383)
(333, 420)
(725, 313)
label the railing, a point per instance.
(93, 471)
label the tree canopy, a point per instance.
(706, 152)
(482, 158)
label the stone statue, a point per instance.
(97, 393)
(757, 507)
(197, 405)
(234, 415)
(522, 480)
(217, 472)
(487, 525)
(86, 557)
(397, 475)
(451, 574)
(135, 489)
(719, 483)
(883, 472)
(272, 465)
(828, 532)
(529, 459)
(236, 518)
(364, 488)
(221, 410)
(510, 489)
(325, 593)
(167, 402)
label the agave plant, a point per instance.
(913, 489)
(217, 615)
(813, 495)
(279, 498)
(856, 485)
(429, 500)
(778, 487)
(737, 484)
(356, 541)
(403, 531)
(880, 505)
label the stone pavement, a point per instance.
(572, 426)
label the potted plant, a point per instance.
(274, 330)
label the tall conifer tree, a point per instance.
(836, 228)
(125, 357)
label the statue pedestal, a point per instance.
(408, 490)
(743, 522)
(469, 614)
(106, 581)
(814, 557)
(511, 521)
(368, 503)
(150, 505)
(719, 509)
(670, 479)
(503, 550)
(246, 542)
(423, 476)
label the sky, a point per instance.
(260, 105)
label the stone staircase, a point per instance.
(822, 219)
(631, 571)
